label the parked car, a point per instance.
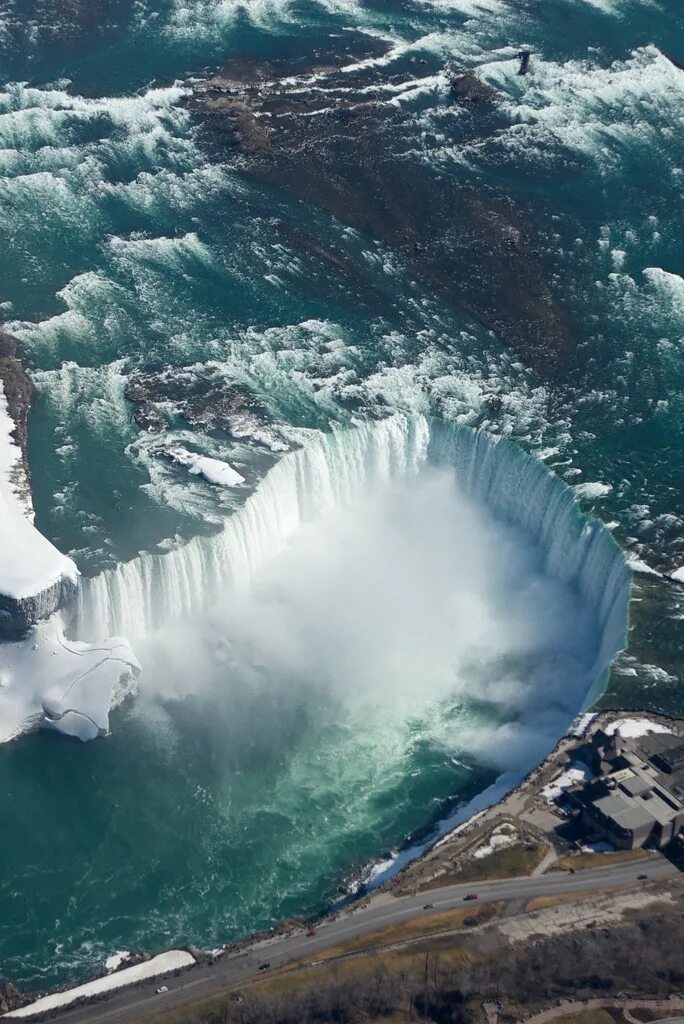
(471, 896)
(311, 931)
(162, 989)
(428, 906)
(641, 878)
(263, 967)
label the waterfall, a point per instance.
(336, 468)
(153, 589)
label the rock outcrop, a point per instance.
(476, 246)
(35, 578)
(19, 391)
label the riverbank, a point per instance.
(525, 818)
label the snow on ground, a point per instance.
(504, 835)
(29, 563)
(161, 964)
(49, 682)
(581, 724)
(577, 772)
(598, 846)
(214, 470)
(464, 816)
(634, 727)
(678, 575)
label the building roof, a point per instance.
(636, 785)
(625, 812)
(655, 744)
(659, 809)
(671, 760)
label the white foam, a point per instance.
(638, 565)
(113, 962)
(669, 286)
(164, 963)
(594, 111)
(592, 489)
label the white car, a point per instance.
(162, 989)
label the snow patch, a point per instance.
(29, 563)
(635, 727)
(598, 846)
(581, 724)
(503, 836)
(161, 964)
(49, 682)
(214, 470)
(577, 772)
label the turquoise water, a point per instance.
(127, 244)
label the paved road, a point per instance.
(626, 1005)
(198, 983)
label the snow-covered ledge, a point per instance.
(45, 680)
(34, 575)
(49, 682)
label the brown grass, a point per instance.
(582, 861)
(543, 902)
(511, 862)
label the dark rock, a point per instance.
(19, 615)
(10, 997)
(201, 394)
(476, 247)
(19, 393)
(469, 90)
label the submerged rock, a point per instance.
(205, 398)
(470, 90)
(10, 997)
(475, 246)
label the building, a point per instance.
(637, 797)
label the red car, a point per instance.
(471, 896)
(311, 931)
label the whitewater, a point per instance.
(370, 560)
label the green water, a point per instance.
(123, 246)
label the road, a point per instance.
(568, 1009)
(197, 983)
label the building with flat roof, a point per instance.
(637, 798)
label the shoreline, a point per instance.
(129, 964)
